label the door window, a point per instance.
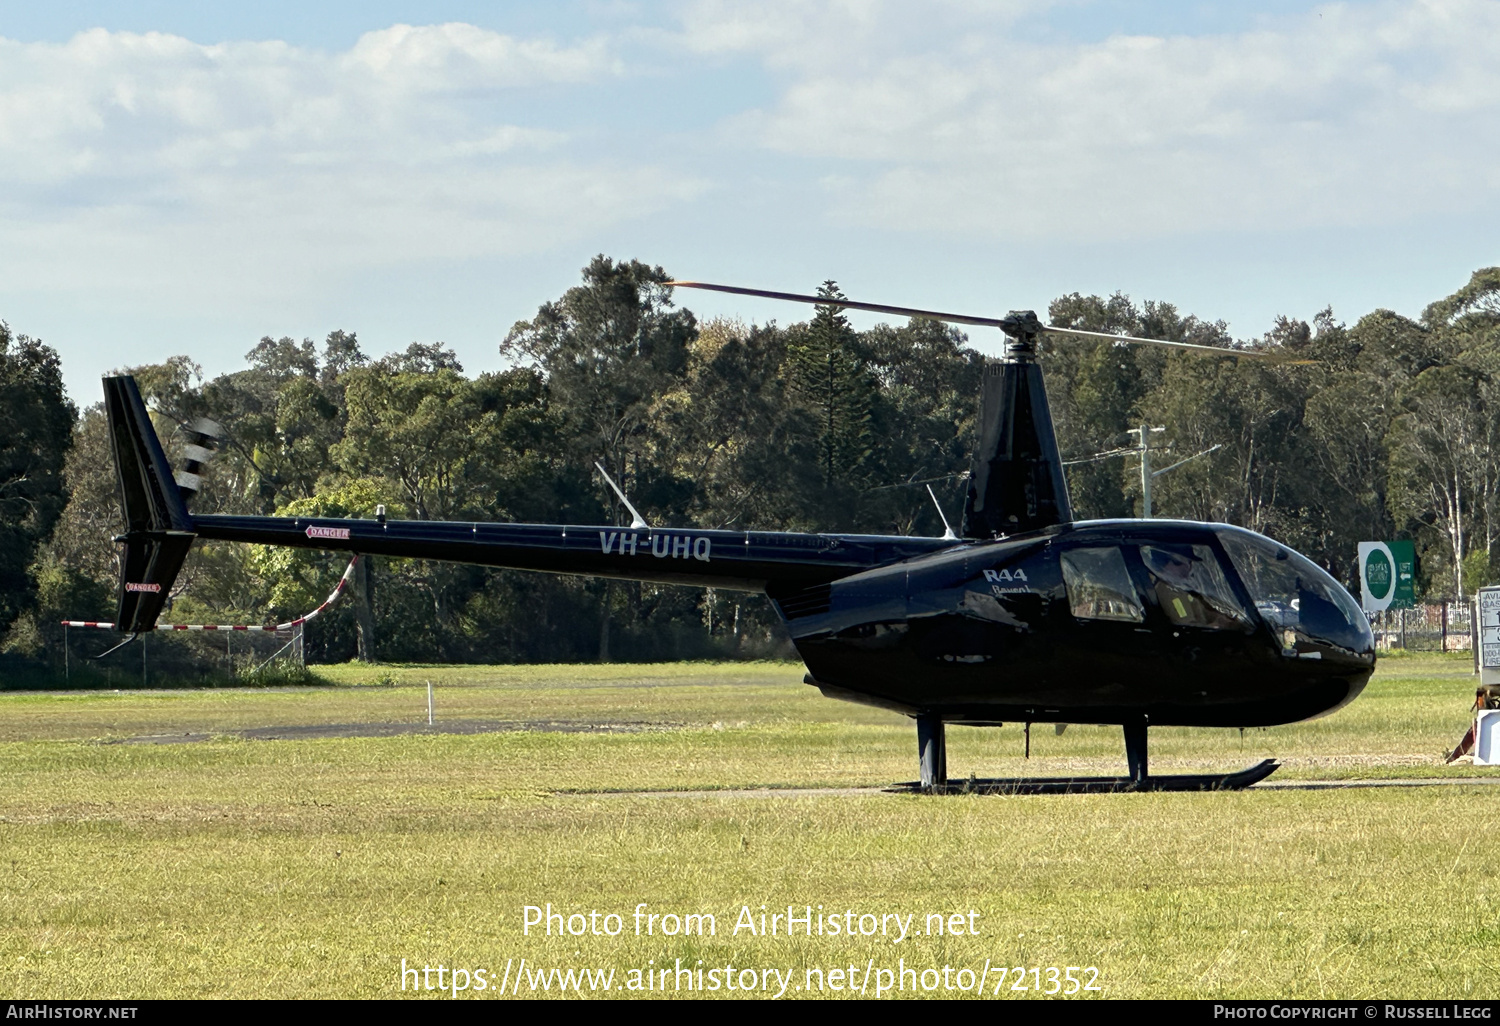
(1191, 588)
(1099, 585)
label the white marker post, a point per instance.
(429, 703)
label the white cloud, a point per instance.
(443, 58)
(1342, 116)
(145, 178)
(843, 34)
(241, 169)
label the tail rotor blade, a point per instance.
(202, 438)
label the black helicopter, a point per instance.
(1025, 615)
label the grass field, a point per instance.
(302, 842)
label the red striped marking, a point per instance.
(333, 597)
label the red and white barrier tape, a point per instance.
(330, 600)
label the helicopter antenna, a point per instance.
(639, 522)
(948, 534)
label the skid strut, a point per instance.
(1135, 750)
(932, 752)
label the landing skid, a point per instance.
(1097, 785)
(932, 757)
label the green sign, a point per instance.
(1387, 575)
(1405, 555)
(1379, 575)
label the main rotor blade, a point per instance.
(952, 318)
(1221, 350)
(848, 304)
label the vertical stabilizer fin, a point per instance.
(1017, 481)
(158, 528)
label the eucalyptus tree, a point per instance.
(36, 432)
(1444, 446)
(280, 418)
(609, 349)
(1094, 389)
(924, 420)
(731, 428)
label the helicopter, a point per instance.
(1023, 615)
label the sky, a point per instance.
(186, 178)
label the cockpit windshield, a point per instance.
(1304, 605)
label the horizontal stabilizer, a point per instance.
(149, 569)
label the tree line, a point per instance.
(1381, 430)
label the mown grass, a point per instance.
(235, 867)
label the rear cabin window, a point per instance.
(1191, 588)
(1099, 586)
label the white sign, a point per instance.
(1489, 635)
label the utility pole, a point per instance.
(1143, 450)
(1144, 433)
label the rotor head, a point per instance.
(1022, 324)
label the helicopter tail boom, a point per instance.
(735, 560)
(160, 530)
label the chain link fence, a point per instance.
(1437, 627)
(192, 658)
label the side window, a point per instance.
(1191, 588)
(1099, 586)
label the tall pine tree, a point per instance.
(829, 374)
